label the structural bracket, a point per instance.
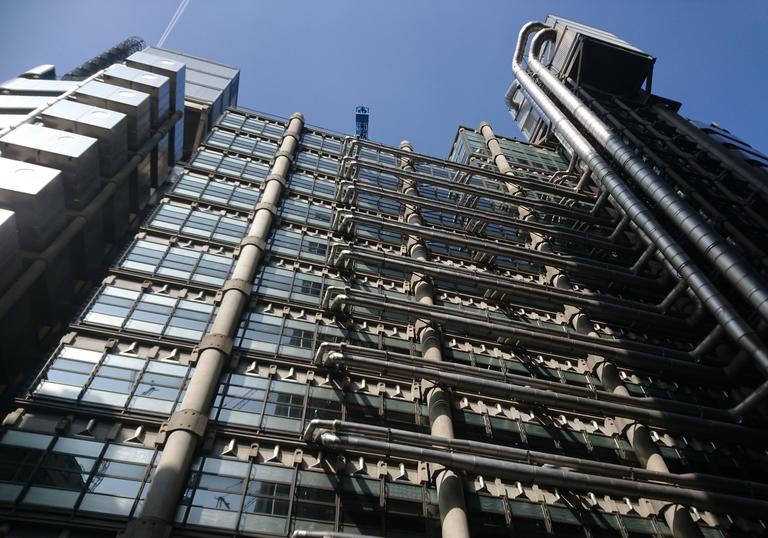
(243, 286)
(187, 420)
(275, 177)
(272, 208)
(254, 240)
(220, 342)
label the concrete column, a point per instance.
(187, 426)
(537, 241)
(639, 436)
(450, 490)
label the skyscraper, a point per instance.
(321, 334)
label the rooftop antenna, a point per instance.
(172, 23)
(361, 122)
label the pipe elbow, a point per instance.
(522, 39)
(543, 36)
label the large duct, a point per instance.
(641, 215)
(701, 235)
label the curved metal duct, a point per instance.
(640, 214)
(701, 234)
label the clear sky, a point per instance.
(422, 66)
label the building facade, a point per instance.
(319, 335)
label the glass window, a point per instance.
(177, 262)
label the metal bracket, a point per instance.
(187, 420)
(220, 342)
(269, 206)
(239, 284)
(146, 528)
(254, 240)
(282, 153)
(275, 177)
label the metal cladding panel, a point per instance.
(140, 184)
(198, 64)
(596, 57)
(157, 86)
(10, 261)
(206, 79)
(110, 128)
(134, 104)
(29, 86)
(565, 25)
(36, 194)
(173, 69)
(8, 120)
(160, 161)
(21, 104)
(176, 72)
(75, 155)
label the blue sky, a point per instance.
(423, 67)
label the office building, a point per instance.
(321, 335)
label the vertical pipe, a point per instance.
(450, 490)
(187, 426)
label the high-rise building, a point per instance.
(320, 335)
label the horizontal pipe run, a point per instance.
(697, 135)
(496, 218)
(335, 298)
(594, 303)
(543, 185)
(708, 428)
(699, 481)
(583, 266)
(546, 476)
(343, 354)
(542, 206)
(327, 534)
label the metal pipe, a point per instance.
(582, 265)
(638, 435)
(578, 481)
(538, 185)
(347, 353)
(604, 304)
(700, 481)
(475, 190)
(336, 297)
(187, 425)
(721, 309)
(517, 391)
(710, 145)
(328, 534)
(569, 342)
(52, 252)
(487, 216)
(702, 236)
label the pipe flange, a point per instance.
(269, 206)
(219, 342)
(254, 240)
(282, 153)
(239, 284)
(275, 177)
(188, 420)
